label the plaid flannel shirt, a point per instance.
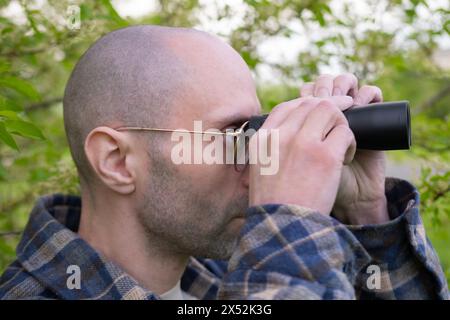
(284, 252)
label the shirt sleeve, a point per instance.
(408, 265)
(291, 252)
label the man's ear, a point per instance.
(109, 153)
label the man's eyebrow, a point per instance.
(236, 119)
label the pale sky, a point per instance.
(286, 49)
(274, 49)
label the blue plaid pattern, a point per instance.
(284, 252)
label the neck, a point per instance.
(112, 228)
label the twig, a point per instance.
(434, 99)
(43, 104)
(11, 233)
(18, 53)
(440, 194)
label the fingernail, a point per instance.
(322, 92)
(337, 92)
(348, 98)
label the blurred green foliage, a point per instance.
(39, 49)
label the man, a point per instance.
(326, 225)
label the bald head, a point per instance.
(134, 77)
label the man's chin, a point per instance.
(226, 244)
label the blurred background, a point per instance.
(402, 46)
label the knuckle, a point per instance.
(280, 109)
(309, 102)
(306, 85)
(323, 108)
(328, 107)
(351, 77)
(277, 108)
(341, 77)
(317, 154)
(331, 158)
(309, 148)
(326, 103)
(327, 157)
(319, 86)
(347, 133)
(324, 76)
(342, 117)
(339, 81)
(363, 89)
(372, 91)
(348, 78)
(306, 89)
(370, 88)
(377, 90)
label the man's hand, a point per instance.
(361, 198)
(314, 143)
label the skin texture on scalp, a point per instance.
(127, 77)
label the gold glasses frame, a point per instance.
(237, 134)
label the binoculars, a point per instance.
(378, 126)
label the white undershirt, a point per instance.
(177, 294)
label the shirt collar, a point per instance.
(173, 294)
(49, 246)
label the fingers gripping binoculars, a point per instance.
(378, 126)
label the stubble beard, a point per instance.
(177, 216)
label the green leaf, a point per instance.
(326, 8)
(251, 61)
(39, 174)
(3, 172)
(5, 66)
(320, 18)
(24, 129)
(85, 12)
(318, 11)
(6, 137)
(21, 86)
(8, 114)
(113, 14)
(8, 104)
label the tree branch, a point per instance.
(43, 104)
(17, 53)
(434, 99)
(441, 194)
(11, 233)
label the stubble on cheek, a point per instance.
(190, 219)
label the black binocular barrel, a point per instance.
(378, 126)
